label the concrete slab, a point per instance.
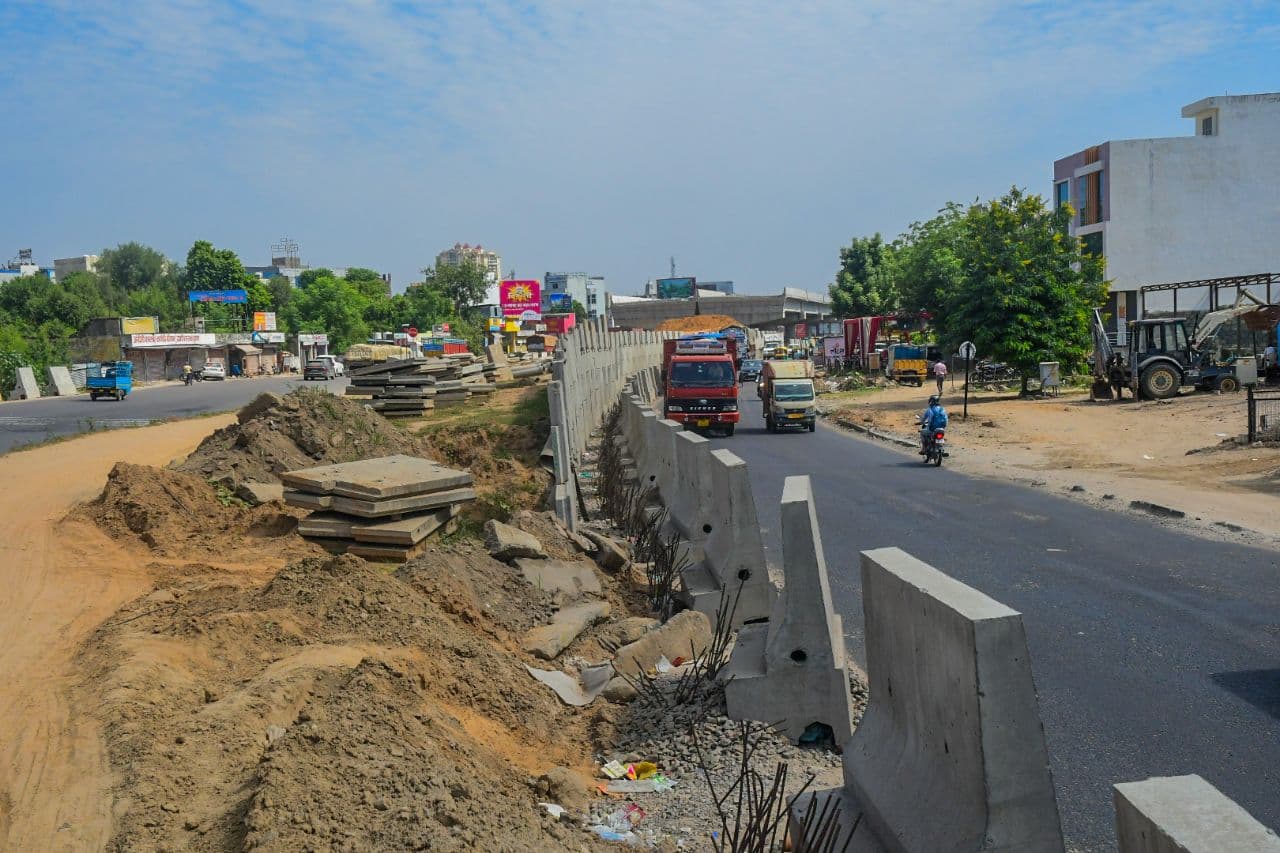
(378, 479)
(25, 387)
(1185, 814)
(950, 753)
(326, 525)
(60, 380)
(506, 543)
(409, 530)
(548, 641)
(804, 679)
(257, 494)
(572, 578)
(306, 500)
(686, 633)
(401, 506)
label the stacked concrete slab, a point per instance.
(382, 508)
(790, 671)
(950, 754)
(1185, 814)
(403, 388)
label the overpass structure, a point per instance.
(787, 308)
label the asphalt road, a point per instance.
(29, 421)
(1155, 653)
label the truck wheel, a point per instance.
(813, 425)
(1160, 382)
(728, 431)
(769, 425)
(1228, 384)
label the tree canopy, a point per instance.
(865, 282)
(465, 284)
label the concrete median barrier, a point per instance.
(790, 671)
(691, 501)
(1185, 814)
(950, 754)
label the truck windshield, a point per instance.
(701, 374)
(791, 391)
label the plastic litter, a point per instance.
(642, 770)
(553, 809)
(614, 770)
(663, 665)
(607, 834)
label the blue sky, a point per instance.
(749, 139)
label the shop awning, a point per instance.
(246, 349)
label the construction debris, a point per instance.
(380, 508)
(404, 388)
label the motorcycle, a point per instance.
(936, 447)
(188, 378)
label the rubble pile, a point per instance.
(408, 388)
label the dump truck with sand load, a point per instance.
(788, 395)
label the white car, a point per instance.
(338, 368)
(214, 370)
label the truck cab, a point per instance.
(788, 395)
(700, 382)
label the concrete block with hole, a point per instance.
(60, 380)
(690, 505)
(1185, 814)
(664, 455)
(733, 563)
(25, 386)
(790, 671)
(950, 754)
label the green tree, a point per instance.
(282, 292)
(579, 310)
(926, 265)
(308, 276)
(260, 298)
(331, 305)
(1027, 288)
(464, 284)
(864, 284)
(131, 267)
(213, 269)
(368, 282)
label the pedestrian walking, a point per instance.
(939, 373)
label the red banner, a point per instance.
(521, 299)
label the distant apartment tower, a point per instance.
(561, 289)
(63, 267)
(1180, 208)
(484, 258)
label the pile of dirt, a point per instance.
(697, 323)
(335, 707)
(305, 428)
(178, 514)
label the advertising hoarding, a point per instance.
(313, 338)
(521, 299)
(180, 339)
(264, 321)
(676, 288)
(559, 302)
(558, 324)
(238, 296)
(139, 326)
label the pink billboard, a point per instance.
(521, 299)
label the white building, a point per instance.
(486, 259)
(63, 267)
(561, 289)
(1181, 208)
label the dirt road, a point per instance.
(1179, 453)
(61, 579)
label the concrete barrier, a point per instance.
(664, 450)
(648, 460)
(691, 503)
(60, 380)
(1185, 814)
(950, 754)
(790, 671)
(26, 387)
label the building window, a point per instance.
(1061, 194)
(1091, 244)
(1082, 199)
(1206, 126)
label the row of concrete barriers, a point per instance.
(950, 753)
(25, 386)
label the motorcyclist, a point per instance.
(932, 418)
(186, 374)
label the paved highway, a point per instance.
(27, 421)
(1155, 653)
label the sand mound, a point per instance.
(336, 707)
(305, 428)
(698, 323)
(178, 514)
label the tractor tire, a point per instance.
(1160, 382)
(1227, 384)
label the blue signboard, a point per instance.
(218, 296)
(560, 302)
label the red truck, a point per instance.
(700, 382)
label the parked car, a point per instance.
(750, 370)
(214, 370)
(338, 367)
(319, 369)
